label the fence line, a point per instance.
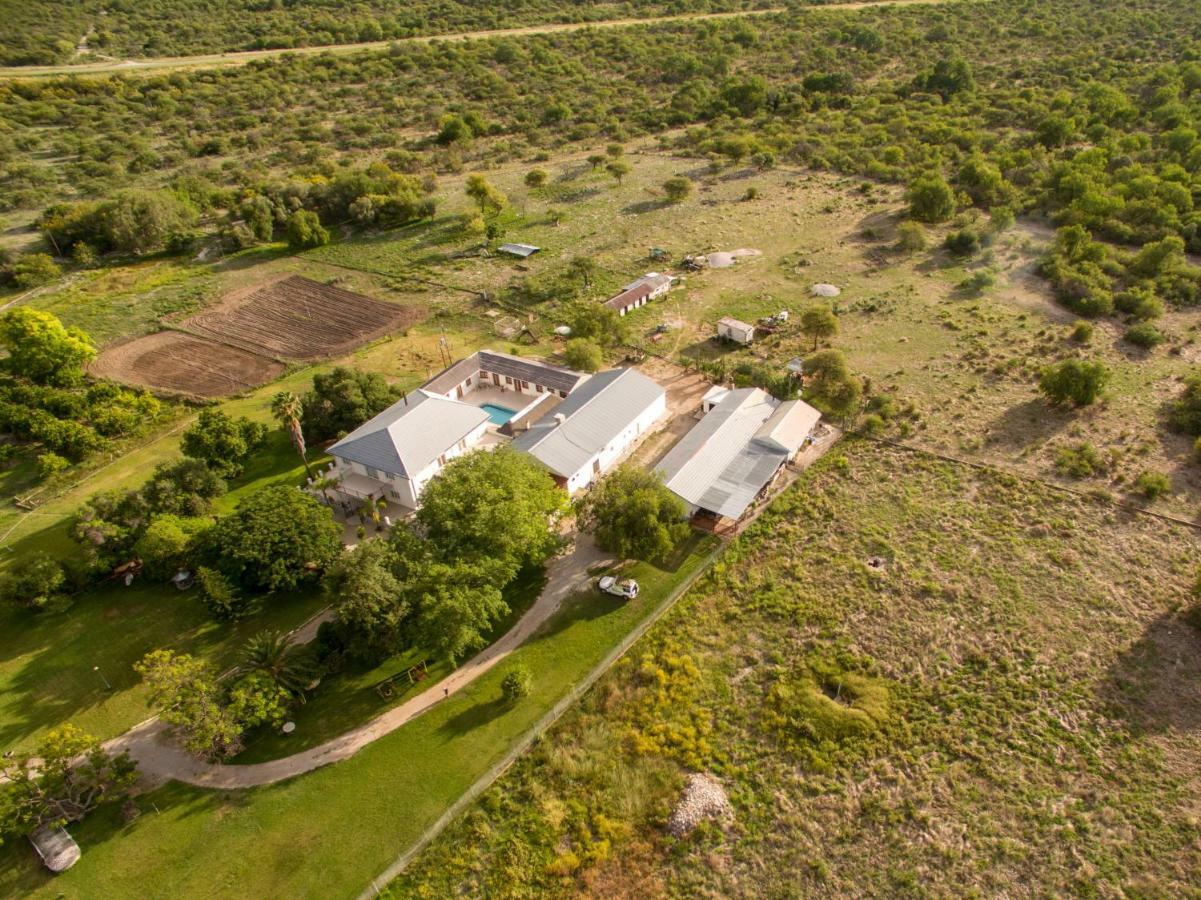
(481, 784)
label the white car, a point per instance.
(627, 588)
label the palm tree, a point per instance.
(272, 653)
(285, 407)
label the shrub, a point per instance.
(911, 237)
(517, 683)
(35, 269)
(1144, 335)
(1081, 461)
(583, 354)
(50, 464)
(1073, 381)
(677, 188)
(1082, 332)
(222, 442)
(978, 282)
(219, 596)
(1153, 485)
(964, 242)
(873, 424)
(305, 230)
(931, 198)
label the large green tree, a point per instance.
(818, 322)
(67, 777)
(342, 400)
(277, 538)
(222, 442)
(830, 384)
(500, 505)
(187, 695)
(1074, 381)
(485, 195)
(41, 349)
(458, 601)
(634, 515)
(930, 198)
(372, 603)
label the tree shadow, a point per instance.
(475, 716)
(1027, 423)
(645, 206)
(1155, 685)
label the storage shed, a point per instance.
(733, 330)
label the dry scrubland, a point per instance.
(1009, 704)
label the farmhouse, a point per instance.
(640, 292)
(597, 423)
(735, 452)
(734, 330)
(394, 455)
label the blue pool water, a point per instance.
(498, 414)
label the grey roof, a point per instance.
(594, 414)
(735, 450)
(409, 435)
(531, 370)
(522, 250)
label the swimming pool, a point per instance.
(498, 414)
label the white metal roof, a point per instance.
(735, 450)
(410, 434)
(589, 419)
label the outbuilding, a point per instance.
(640, 292)
(733, 330)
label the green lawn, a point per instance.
(328, 833)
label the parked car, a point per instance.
(627, 587)
(57, 849)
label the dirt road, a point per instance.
(238, 58)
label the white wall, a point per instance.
(619, 445)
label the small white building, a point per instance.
(593, 428)
(733, 455)
(734, 330)
(640, 292)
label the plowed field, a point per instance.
(297, 318)
(185, 364)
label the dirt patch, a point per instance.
(184, 364)
(296, 318)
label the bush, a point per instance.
(305, 230)
(677, 188)
(223, 601)
(222, 442)
(1073, 381)
(50, 464)
(1081, 461)
(1144, 335)
(964, 242)
(516, 684)
(931, 198)
(1153, 485)
(911, 237)
(35, 581)
(35, 269)
(978, 282)
(1082, 332)
(583, 354)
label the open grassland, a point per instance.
(1008, 703)
(329, 833)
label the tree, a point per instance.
(951, 76)
(931, 198)
(34, 580)
(517, 683)
(745, 97)
(829, 384)
(596, 322)
(185, 488)
(305, 231)
(583, 268)
(166, 543)
(273, 654)
(818, 322)
(69, 775)
(583, 354)
(370, 601)
(596, 160)
(500, 505)
(222, 600)
(1073, 381)
(536, 178)
(222, 442)
(677, 188)
(458, 601)
(633, 514)
(486, 195)
(342, 400)
(41, 349)
(35, 269)
(187, 696)
(618, 169)
(255, 699)
(911, 237)
(141, 221)
(277, 538)
(287, 410)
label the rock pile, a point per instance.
(703, 799)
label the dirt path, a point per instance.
(238, 58)
(160, 761)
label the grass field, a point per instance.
(1009, 704)
(329, 833)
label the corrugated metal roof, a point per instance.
(734, 451)
(789, 425)
(522, 250)
(629, 296)
(593, 415)
(409, 435)
(531, 370)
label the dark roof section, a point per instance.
(531, 370)
(630, 296)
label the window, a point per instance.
(539, 388)
(395, 494)
(372, 473)
(468, 381)
(508, 380)
(442, 460)
(562, 393)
